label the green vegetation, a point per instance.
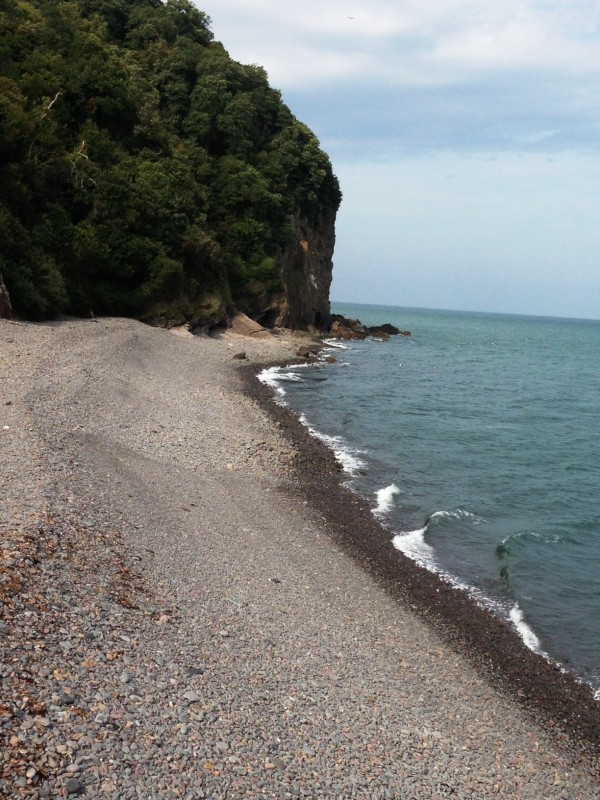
(142, 170)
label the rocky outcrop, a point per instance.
(306, 267)
(5, 305)
(344, 328)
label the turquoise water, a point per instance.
(478, 441)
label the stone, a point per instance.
(344, 328)
(5, 304)
(307, 352)
(75, 786)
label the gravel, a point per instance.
(177, 620)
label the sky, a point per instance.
(465, 135)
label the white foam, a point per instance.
(517, 617)
(335, 344)
(385, 499)
(458, 513)
(347, 457)
(414, 546)
(289, 376)
(270, 377)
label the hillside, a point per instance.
(145, 173)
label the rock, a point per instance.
(5, 304)
(343, 328)
(330, 360)
(75, 786)
(307, 352)
(386, 328)
(240, 356)
(244, 326)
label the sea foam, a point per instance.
(517, 617)
(270, 377)
(348, 457)
(385, 499)
(414, 546)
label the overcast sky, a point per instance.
(466, 137)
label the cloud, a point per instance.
(466, 136)
(410, 43)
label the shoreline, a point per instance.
(491, 644)
(190, 606)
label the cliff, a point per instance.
(5, 305)
(305, 266)
(145, 173)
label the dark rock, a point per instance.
(307, 352)
(75, 786)
(385, 337)
(5, 304)
(379, 330)
(343, 328)
(240, 356)
(66, 699)
(330, 360)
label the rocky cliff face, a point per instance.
(5, 306)
(306, 268)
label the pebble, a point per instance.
(124, 705)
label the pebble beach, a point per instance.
(190, 608)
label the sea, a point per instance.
(477, 441)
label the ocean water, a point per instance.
(477, 440)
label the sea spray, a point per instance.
(517, 617)
(385, 499)
(414, 546)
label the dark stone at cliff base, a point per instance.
(307, 352)
(5, 304)
(344, 328)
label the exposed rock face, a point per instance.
(5, 306)
(306, 267)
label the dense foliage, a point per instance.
(142, 170)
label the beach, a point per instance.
(192, 606)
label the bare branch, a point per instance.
(50, 104)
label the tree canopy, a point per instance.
(142, 170)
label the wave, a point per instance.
(270, 378)
(414, 546)
(289, 376)
(457, 513)
(273, 376)
(348, 457)
(335, 345)
(526, 633)
(385, 499)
